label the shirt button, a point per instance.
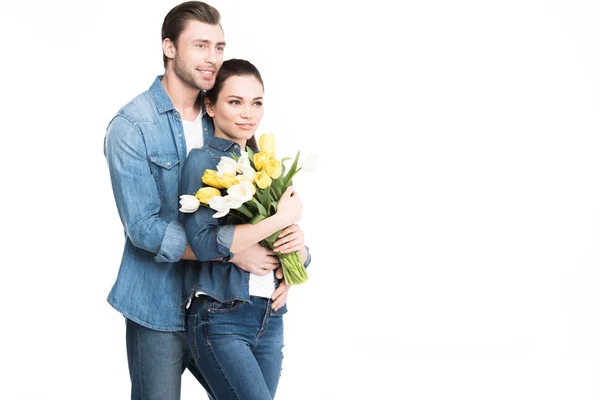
(168, 164)
(181, 134)
(204, 129)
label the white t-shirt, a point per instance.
(192, 130)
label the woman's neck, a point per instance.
(219, 133)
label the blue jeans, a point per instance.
(156, 361)
(237, 346)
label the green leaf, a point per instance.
(257, 218)
(292, 171)
(250, 154)
(261, 209)
(263, 197)
(244, 210)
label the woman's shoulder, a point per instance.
(203, 156)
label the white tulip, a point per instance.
(189, 203)
(234, 201)
(227, 165)
(248, 173)
(243, 190)
(311, 163)
(243, 162)
(219, 204)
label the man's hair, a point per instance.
(175, 20)
(234, 67)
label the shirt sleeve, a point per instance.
(308, 257)
(208, 237)
(136, 194)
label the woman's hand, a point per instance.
(290, 239)
(289, 207)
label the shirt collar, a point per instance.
(160, 96)
(223, 144)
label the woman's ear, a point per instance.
(210, 110)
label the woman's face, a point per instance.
(238, 110)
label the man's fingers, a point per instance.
(277, 293)
(261, 271)
(272, 260)
(279, 273)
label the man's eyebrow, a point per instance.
(207, 41)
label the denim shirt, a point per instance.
(145, 148)
(209, 237)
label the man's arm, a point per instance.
(136, 194)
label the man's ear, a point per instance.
(169, 48)
(210, 109)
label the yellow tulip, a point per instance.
(260, 160)
(227, 180)
(267, 144)
(274, 168)
(206, 193)
(262, 180)
(211, 178)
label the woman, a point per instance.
(234, 330)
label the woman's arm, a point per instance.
(208, 238)
(289, 210)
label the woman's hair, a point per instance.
(234, 67)
(175, 20)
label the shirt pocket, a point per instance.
(165, 169)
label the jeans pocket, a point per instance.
(282, 310)
(225, 307)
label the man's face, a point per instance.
(199, 54)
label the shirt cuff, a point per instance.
(308, 257)
(224, 240)
(173, 244)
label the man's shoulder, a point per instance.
(141, 108)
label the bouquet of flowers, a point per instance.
(247, 189)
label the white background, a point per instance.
(454, 223)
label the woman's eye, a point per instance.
(234, 102)
(258, 103)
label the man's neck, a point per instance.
(183, 97)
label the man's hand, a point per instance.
(279, 297)
(256, 259)
(188, 254)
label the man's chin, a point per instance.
(205, 85)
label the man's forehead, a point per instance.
(196, 30)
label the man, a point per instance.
(145, 146)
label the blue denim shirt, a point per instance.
(210, 237)
(145, 148)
